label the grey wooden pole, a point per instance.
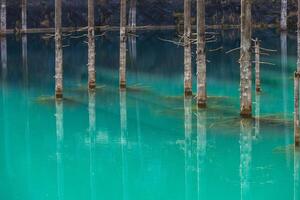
(245, 60)
(283, 18)
(201, 56)
(3, 17)
(187, 49)
(91, 46)
(58, 52)
(122, 73)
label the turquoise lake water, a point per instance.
(148, 142)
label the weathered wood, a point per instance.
(245, 60)
(201, 55)
(296, 109)
(257, 65)
(58, 52)
(187, 49)
(298, 38)
(24, 15)
(91, 46)
(283, 18)
(122, 73)
(3, 17)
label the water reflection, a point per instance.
(132, 49)
(257, 115)
(59, 149)
(245, 157)
(296, 175)
(92, 136)
(201, 152)
(124, 142)
(189, 152)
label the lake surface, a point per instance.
(148, 142)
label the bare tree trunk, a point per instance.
(58, 52)
(122, 72)
(3, 17)
(298, 38)
(91, 46)
(24, 15)
(201, 57)
(257, 66)
(245, 59)
(296, 109)
(283, 19)
(187, 49)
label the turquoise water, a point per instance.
(148, 142)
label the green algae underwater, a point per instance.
(148, 142)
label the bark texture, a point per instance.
(3, 17)
(257, 66)
(122, 73)
(201, 56)
(283, 18)
(187, 49)
(245, 60)
(58, 52)
(91, 46)
(24, 15)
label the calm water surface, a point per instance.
(148, 142)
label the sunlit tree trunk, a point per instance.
(187, 49)
(122, 73)
(24, 15)
(91, 46)
(58, 52)
(283, 18)
(3, 17)
(201, 57)
(245, 59)
(257, 66)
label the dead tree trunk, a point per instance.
(58, 52)
(132, 14)
(187, 49)
(3, 17)
(91, 46)
(283, 18)
(245, 59)
(122, 75)
(257, 66)
(201, 57)
(24, 15)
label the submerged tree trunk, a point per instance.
(257, 66)
(201, 57)
(91, 46)
(283, 18)
(58, 52)
(3, 17)
(187, 49)
(24, 15)
(132, 14)
(245, 59)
